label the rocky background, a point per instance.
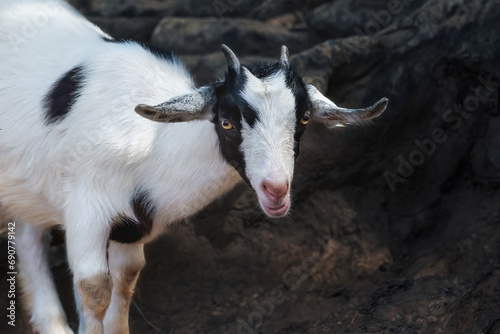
(395, 226)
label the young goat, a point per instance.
(114, 142)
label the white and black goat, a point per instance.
(114, 143)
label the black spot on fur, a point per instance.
(129, 230)
(63, 95)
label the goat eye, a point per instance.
(305, 119)
(226, 125)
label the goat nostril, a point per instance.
(275, 192)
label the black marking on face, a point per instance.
(302, 105)
(228, 107)
(235, 84)
(232, 107)
(296, 85)
(129, 230)
(262, 70)
(249, 114)
(63, 95)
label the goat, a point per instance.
(113, 142)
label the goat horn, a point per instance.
(232, 61)
(285, 56)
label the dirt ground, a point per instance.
(339, 264)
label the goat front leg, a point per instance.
(39, 292)
(125, 263)
(86, 242)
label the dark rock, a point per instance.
(216, 8)
(244, 36)
(221, 9)
(139, 29)
(291, 21)
(129, 8)
(213, 66)
(430, 65)
(343, 18)
(269, 9)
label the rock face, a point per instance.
(139, 29)
(189, 35)
(395, 226)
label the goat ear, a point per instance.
(182, 108)
(332, 115)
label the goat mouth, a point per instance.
(276, 211)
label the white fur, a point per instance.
(102, 147)
(84, 170)
(268, 146)
(40, 293)
(121, 256)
